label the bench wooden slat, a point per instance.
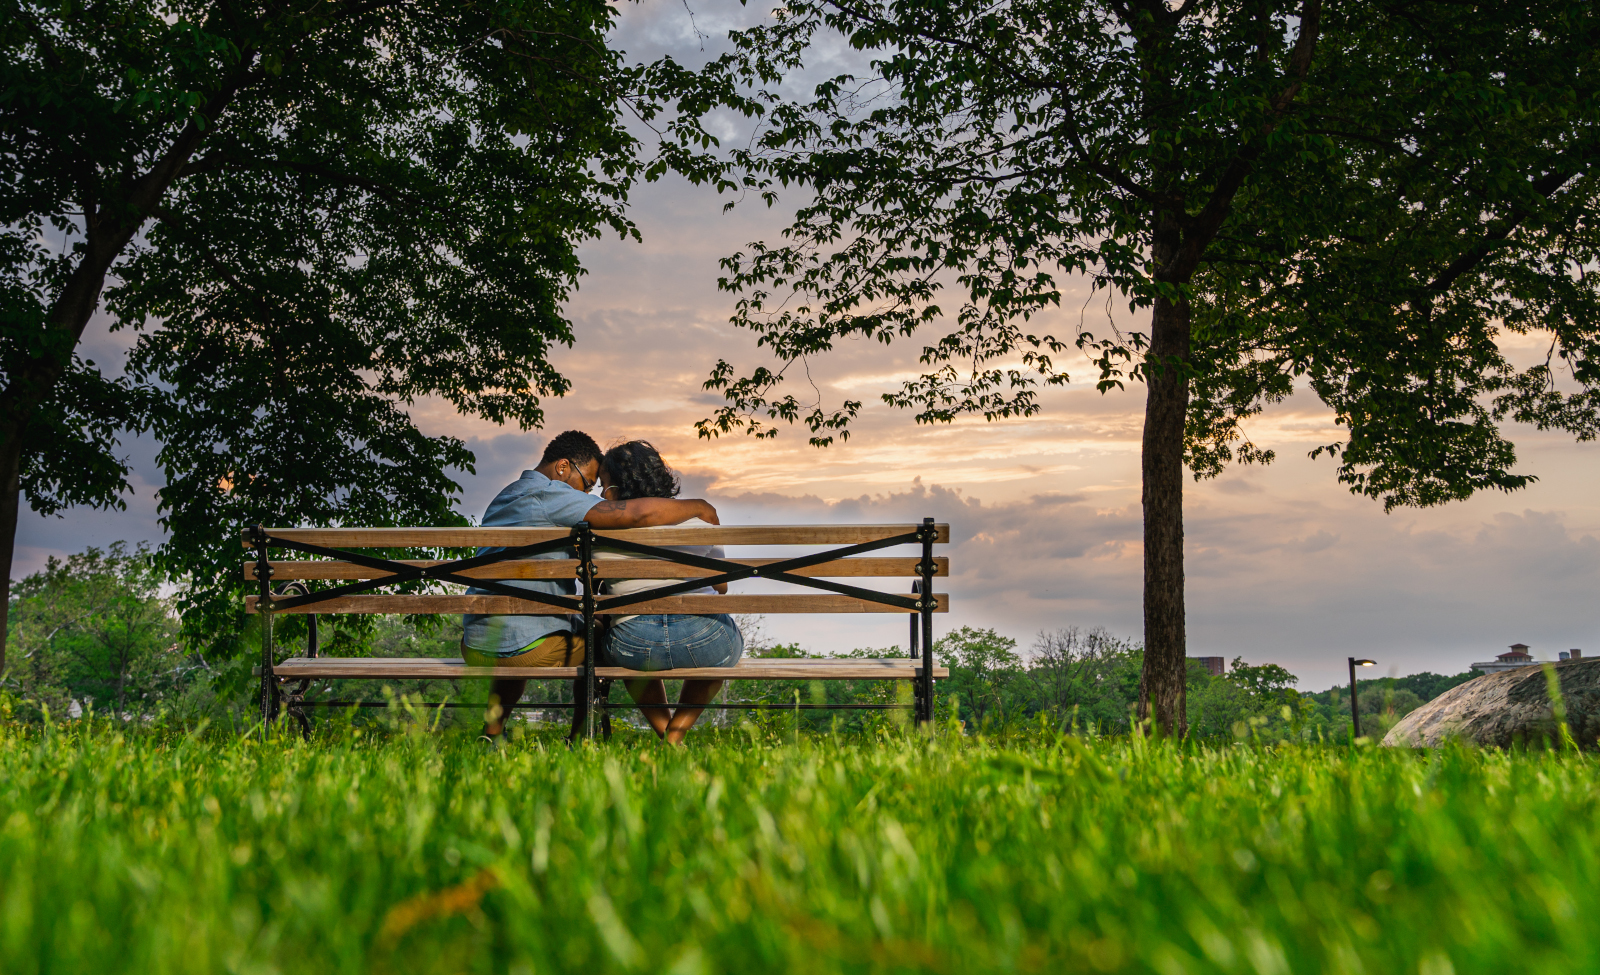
(378, 668)
(676, 535)
(691, 605)
(861, 567)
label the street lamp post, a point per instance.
(1355, 705)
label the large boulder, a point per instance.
(1509, 707)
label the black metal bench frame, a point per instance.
(588, 692)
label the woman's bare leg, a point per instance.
(651, 692)
(695, 692)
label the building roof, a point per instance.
(1516, 656)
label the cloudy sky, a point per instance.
(1283, 565)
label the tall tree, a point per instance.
(95, 627)
(1169, 151)
(305, 216)
(985, 672)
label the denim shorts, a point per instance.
(669, 642)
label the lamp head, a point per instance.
(1365, 663)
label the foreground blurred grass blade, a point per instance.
(418, 853)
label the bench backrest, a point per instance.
(335, 561)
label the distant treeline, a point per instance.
(1088, 680)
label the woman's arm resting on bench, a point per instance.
(649, 513)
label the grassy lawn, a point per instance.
(419, 852)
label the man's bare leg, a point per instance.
(695, 692)
(502, 695)
(651, 692)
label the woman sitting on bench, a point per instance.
(662, 642)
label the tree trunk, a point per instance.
(1181, 235)
(108, 229)
(10, 497)
(32, 384)
(1162, 681)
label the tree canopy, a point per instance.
(1397, 277)
(1361, 200)
(302, 218)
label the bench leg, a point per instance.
(269, 698)
(269, 681)
(304, 720)
(602, 693)
(591, 652)
(292, 699)
(925, 680)
(918, 712)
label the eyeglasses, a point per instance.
(588, 485)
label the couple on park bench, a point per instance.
(637, 490)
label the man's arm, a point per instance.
(649, 513)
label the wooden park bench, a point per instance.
(285, 587)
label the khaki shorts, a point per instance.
(556, 650)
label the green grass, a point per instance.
(423, 853)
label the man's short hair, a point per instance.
(574, 445)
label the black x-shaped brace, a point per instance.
(444, 572)
(779, 571)
(449, 571)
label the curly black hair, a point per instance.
(574, 446)
(636, 470)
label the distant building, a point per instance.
(1517, 657)
(1213, 665)
(1518, 654)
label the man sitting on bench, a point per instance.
(553, 495)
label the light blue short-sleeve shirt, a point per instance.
(531, 501)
